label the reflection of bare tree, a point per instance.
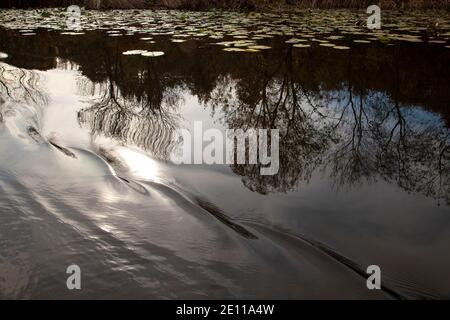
(146, 118)
(19, 87)
(378, 138)
(353, 136)
(270, 101)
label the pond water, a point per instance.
(86, 124)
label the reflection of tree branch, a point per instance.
(19, 86)
(145, 120)
(366, 136)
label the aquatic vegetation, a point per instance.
(144, 53)
(3, 55)
(300, 45)
(259, 47)
(295, 40)
(133, 52)
(72, 33)
(240, 50)
(384, 39)
(226, 4)
(152, 53)
(239, 29)
(341, 47)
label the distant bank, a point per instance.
(230, 4)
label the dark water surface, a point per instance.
(85, 136)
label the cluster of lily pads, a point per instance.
(242, 31)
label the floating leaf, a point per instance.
(239, 50)
(152, 53)
(384, 39)
(259, 47)
(133, 52)
(301, 45)
(296, 40)
(72, 33)
(341, 47)
(225, 43)
(335, 37)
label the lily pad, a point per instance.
(239, 50)
(296, 40)
(341, 47)
(301, 45)
(259, 47)
(133, 52)
(152, 53)
(72, 33)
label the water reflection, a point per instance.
(366, 123)
(339, 118)
(347, 118)
(19, 86)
